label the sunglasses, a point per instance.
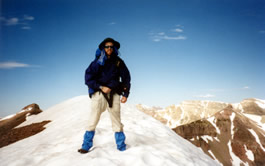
(109, 47)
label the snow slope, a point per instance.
(149, 141)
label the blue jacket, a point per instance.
(109, 73)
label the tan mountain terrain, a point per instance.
(232, 134)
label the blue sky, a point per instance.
(176, 50)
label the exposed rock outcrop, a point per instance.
(11, 122)
(227, 136)
(20, 133)
(232, 134)
(251, 106)
(10, 134)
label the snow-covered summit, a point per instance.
(184, 113)
(149, 141)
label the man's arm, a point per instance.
(126, 79)
(91, 75)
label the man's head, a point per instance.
(108, 47)
(115, 43)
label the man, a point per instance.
(107, 77)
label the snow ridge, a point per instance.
(149, 141)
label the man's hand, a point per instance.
(123, 99)
(105, 89)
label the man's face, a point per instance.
(108, 48)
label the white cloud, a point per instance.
(175, 37)
(11, 65)
(181, 26)
(161, 36)
(30, 18)
(12, 21)
(26, 27)
(112, 23)
(246, 87)
(15, 21)
(178, 30)
(156, 40)
(205, 96)
(169, 35)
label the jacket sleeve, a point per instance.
(125, 79)
(91, 75)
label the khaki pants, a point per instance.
(98, 105)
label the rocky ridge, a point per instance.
(9, 130)
(232, 134)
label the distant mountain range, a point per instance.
(232, 134)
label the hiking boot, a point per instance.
(88, 141)
(82, 151)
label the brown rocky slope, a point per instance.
(232, 134)
(228, 136)
(10, 133)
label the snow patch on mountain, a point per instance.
(261, 103)
(149, 141)
(257, 138)
(212, 120)
(232, 117)
(235, 160)
(7, 117)
(249, 153)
